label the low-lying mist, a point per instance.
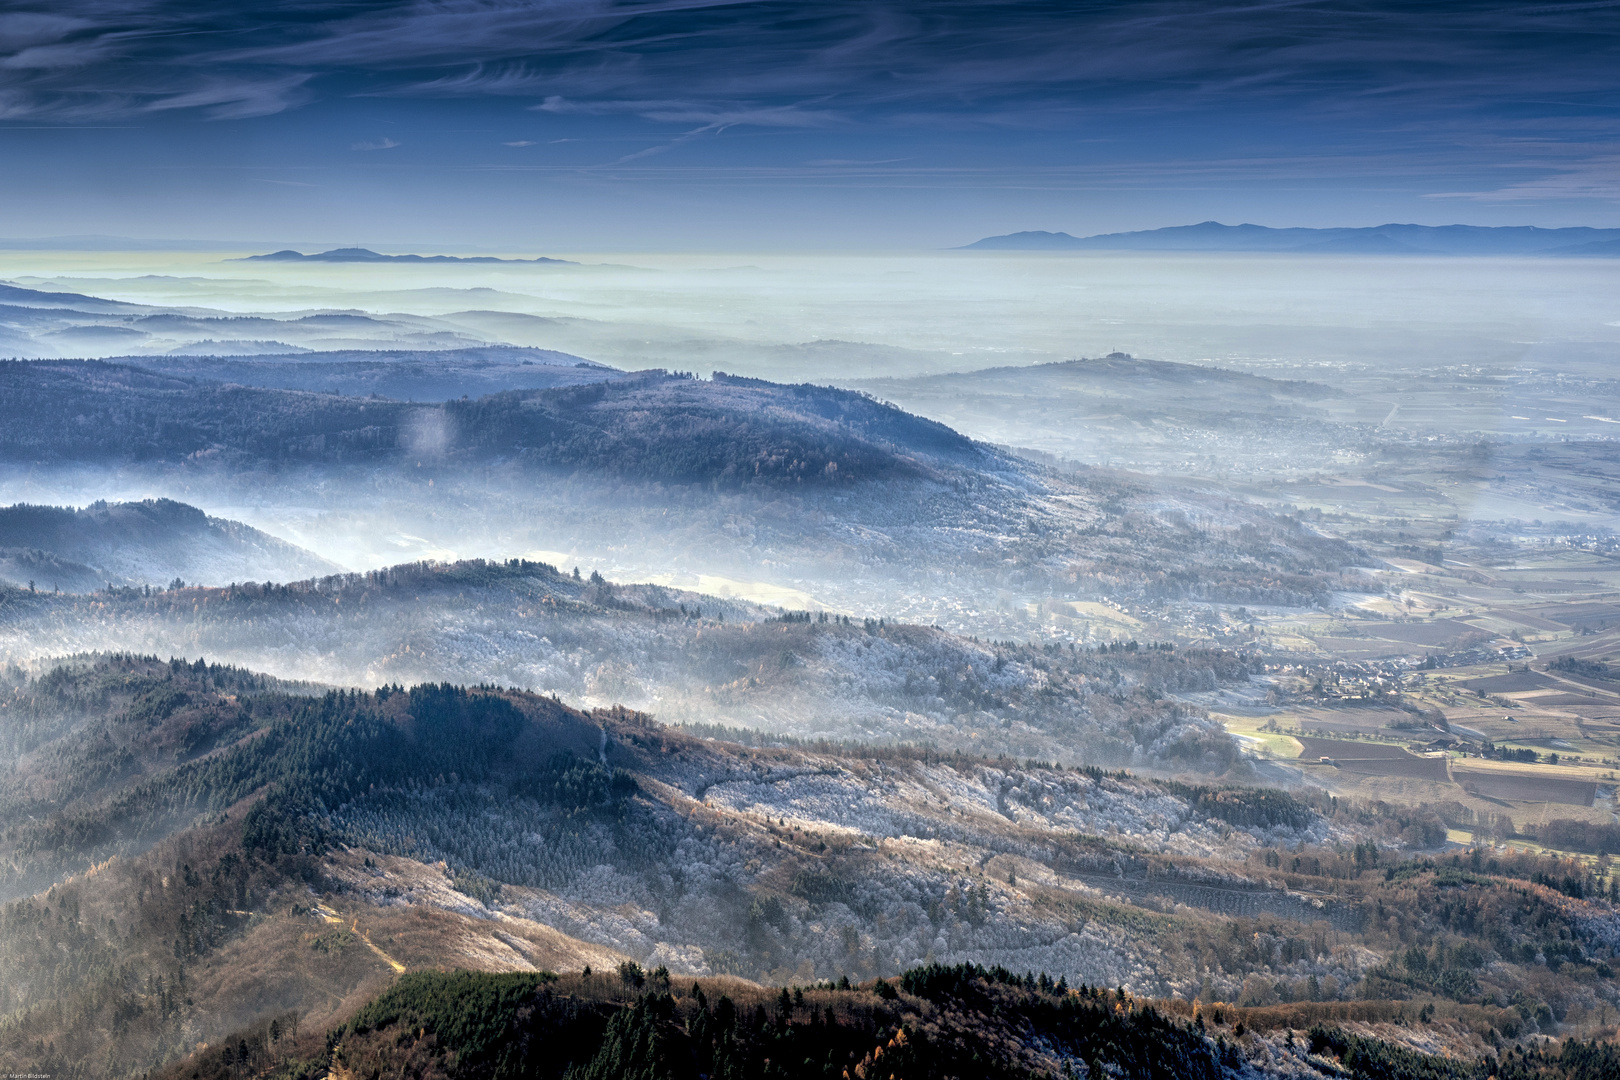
(835, 317)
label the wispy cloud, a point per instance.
(237, 99)
(713, 118)
(835, 163)
(26, 29)
(374, 144)
(62, 54)
(708, 116)
(948, 57)
(1597, 179)
(1284, 69)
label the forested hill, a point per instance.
(654, 426)
(257, 861)
(116, 753)
(932, 1023)
(139, 543)
(687, 656)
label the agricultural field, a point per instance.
(1375, 722)
(1522, 785)
(1375, 759)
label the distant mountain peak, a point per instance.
(353, 252)
(1390, 239)
(1030, 240)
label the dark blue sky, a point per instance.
(668, 124)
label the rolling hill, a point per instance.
(934, 1021)
(153, 542)
(195, 851)
(841, 499)
(688, 657)
(656, 426)
(1155, 415)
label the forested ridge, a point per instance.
(809, 481)
(153, 541)
(195, 738)
(114, 753)
(934, 1022)
(683, 654)
(963, 1021)
(63, 528)
(651, 426)
(242, 812)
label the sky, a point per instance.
(596, 125)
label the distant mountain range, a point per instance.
(36, 323)
(1378, 240)
(15, 296)
(350, 255)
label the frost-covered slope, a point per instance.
(682, 656)
(793, 866)
(269, 850)
(706, 856)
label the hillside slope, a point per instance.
(685, 656)
(152, 542)
(1154, 415)
(826, 492)
(655, 427)
(279, 852)
(932, 1023)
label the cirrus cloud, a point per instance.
(1365, 81)
(859, 59)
